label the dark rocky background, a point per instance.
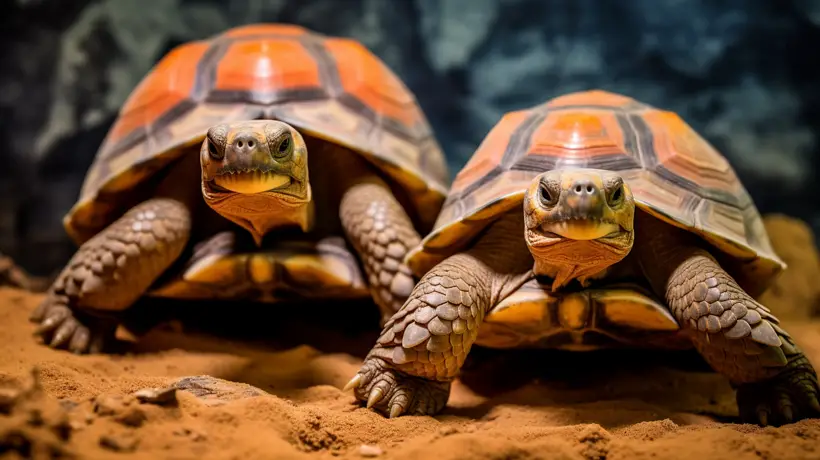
(744, 73)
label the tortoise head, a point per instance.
(255, 174)
(578, 222)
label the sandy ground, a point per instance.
(268, 387)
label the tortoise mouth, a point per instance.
(252, 181)
(577, 229)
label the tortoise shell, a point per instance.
(327, 87)
(674, 174)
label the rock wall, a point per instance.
(742, 73)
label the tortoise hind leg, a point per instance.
(109, 272)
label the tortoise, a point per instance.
(636, 233)
(266, 163)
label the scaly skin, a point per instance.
(423, 346)
(110, 272)
(735, 334)
(381, 233)
(374, 221)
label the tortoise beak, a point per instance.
(250, 182)
(582, 229)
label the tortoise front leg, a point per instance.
(735, 334)
(110, 272)
(381, 233)
(423, 346)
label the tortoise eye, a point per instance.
(547, 199)
(283, 149)
(213, 150)
(617, 196)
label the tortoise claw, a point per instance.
(814, 403)
(394, 393)
(788, 397)
(396, 410)
(39, 312)
(79, 343)
(64, 332)
(60, 328)
(375, 396)
(763, 414)
(54, 317)
(353, 383)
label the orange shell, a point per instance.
(674, 174)
(328, 87)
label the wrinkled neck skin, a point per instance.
(578, 224)
(261, 213)
(255, 174)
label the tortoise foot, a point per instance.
(395, 393)
(790, 396)
(61, 328)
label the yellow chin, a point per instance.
(252, 182)
(581, 229)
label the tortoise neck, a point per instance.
(566, 260)
(261, 213)
(563, 267)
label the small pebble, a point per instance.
(118, 443)
(447, 430)
(157, 395)
(133, 416)
(68, 404)
(181, 432)
(369, 451)
(78, 425)
(8, 398)
(195, 436)
(107, 405)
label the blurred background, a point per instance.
(745, 74)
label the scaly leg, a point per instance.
(381, 233)
(735, 334)
(110, 272)
(423, 346)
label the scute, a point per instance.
(595, 318)
(170, 83)
(301, 76)
(674, 174)
(239, 75)
(293, 269)
(373, 84)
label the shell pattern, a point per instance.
(674, 174)
(328, 87)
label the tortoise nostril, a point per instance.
(584, 187)
(245, 141)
